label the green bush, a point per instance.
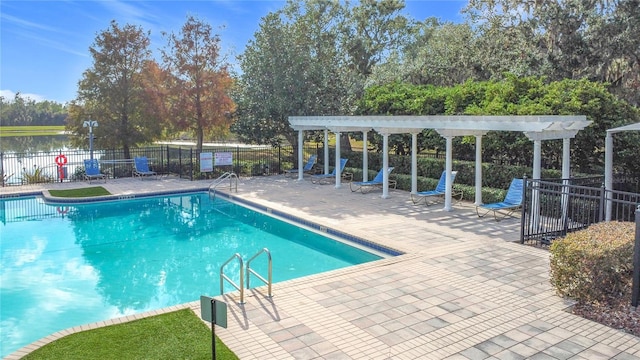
(36, 176)
(595, 264)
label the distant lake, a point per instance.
(32, 144)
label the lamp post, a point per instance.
(90, 124)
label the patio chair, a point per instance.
(376, 183)
(512, 201)
(92, 170)
(432, 196)
(307, 169)
(142, 170)
(327, 178)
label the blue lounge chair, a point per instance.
(92, 170)
(439, 192)
(376, 183)
(328, 178)
(142, 168)
(307, 169)
(512, 201)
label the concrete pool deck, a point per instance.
(464, 289)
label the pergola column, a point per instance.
(338, 170)
(448, 168)
(385, 165)
(608, 173)
(535, 194)
(566, 175)
(478, 170)
(537, 159)
(300, 155)
(326, 151)
(414, 163)
(365, 157)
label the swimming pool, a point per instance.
(69, 264)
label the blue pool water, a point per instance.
(64, 266)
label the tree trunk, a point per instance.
(200, 139)
(345, 142)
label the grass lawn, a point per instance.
(81, 192)
(175, 335)
(30, 130)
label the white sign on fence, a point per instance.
(206, 162)
(224, 158)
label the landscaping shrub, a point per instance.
(595, 264)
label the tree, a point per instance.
(112, 92)
(597, 40)
(311, 58)
(291, 67)
(25, 111)
(520, 96)
(433, 53)
(198, 80)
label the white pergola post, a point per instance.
(535, 195)
(566, 175)
(300, 155)
(414, 163)
(608, 173)
(365, 157)
(326, 151)
(537, 159)
(385, 165)
(448, 167)
(478, 170)
(338, 172)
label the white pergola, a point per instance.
(536, 128)
(608, 161)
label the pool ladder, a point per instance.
(233, 183)
(250, 271)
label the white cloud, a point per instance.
(10, 95)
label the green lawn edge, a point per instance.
(174, 335)
(81, 192)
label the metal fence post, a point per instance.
(191, 164)
(523, 213)
(180, 162)
(279, 158)
(168, 160)
(603, 200)
(238, 170)
(2, 168)
(635, 286)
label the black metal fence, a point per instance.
(68, 165)
(551, 209)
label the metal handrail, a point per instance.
(269, 270)
(228, 175)
(225, 277)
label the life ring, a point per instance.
(62, 210)
(61, 160)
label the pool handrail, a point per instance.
(250, 271)
(228, 175)
(225, 277)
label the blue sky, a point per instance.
(44, 45)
